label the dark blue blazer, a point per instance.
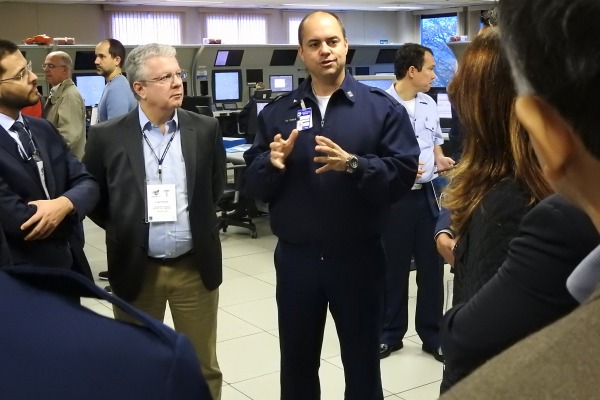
(527, 293)
(20, 184)
(52, 348)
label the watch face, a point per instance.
(353, 162)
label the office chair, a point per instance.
(234, 207)
(205, 110)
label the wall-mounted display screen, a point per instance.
(229, 58)
(283, 57)
(350, 56)
(386, 56)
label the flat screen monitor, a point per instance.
(283, 57)
(262, 94)
(254, 76)
(227, 85)
(379, 81)
(90, 87)
(260, 104)
(386, 56)
(229, 58)
(281, 83)
(443, 105)
(84, 60)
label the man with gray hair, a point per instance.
(161, 171)
(65, 108)
(553, 49)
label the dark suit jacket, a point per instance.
(483, 246)
(55, 349)
(528, 292)
(115, 156)
(20, 184)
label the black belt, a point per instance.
(170, 261)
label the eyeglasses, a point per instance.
(51, 66)
(170, 77)
(19, 77)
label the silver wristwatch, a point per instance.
(351, 163)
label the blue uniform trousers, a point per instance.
(351, 280)
(410, 233)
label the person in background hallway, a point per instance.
(412, 221)
(161, 172)
(498, 179)
(65, 108)
(45, 192)
(117, 97)
(552, 48)
(329, 178)
(550, 241)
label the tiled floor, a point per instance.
(248, 347)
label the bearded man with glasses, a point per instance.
(45, 191)
(65, 108)
(161, 172)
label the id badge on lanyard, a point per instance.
(304, 118)
(40, 167)
(161, 202)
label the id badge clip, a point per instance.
(304, 120)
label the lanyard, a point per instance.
(164, 154)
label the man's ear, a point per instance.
(552, 138)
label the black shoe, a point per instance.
(385, 349)
(103, 275)
(108, 289)
(435, 353)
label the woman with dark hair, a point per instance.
(498, 179)
(496, 182)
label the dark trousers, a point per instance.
(410, 233)
(351, 282)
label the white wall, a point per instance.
(22, 20)
(86, 23)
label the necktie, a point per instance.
(24, 138)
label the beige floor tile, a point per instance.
(261, 313)
(248, 357)
(241, 290)
(252, 264)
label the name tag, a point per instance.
(161, 202)
(304, 121)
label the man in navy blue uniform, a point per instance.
(329, 158)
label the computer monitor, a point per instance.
(443, 105)
(379, 81)
(90, 87)
(260, 104)
(227, 85)
(386, 56)
(262, 94)
(281, 83)
(84, 60)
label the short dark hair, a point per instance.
(6, 48)
(409, 55)
(116, 49)
(553, 49)
(301, 26)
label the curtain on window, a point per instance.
(237, 28)
(135, 28)
(293, 24)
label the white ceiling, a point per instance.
(364, 5)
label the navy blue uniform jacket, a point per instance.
(334, 208)
(20, 184)
(54, 349)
